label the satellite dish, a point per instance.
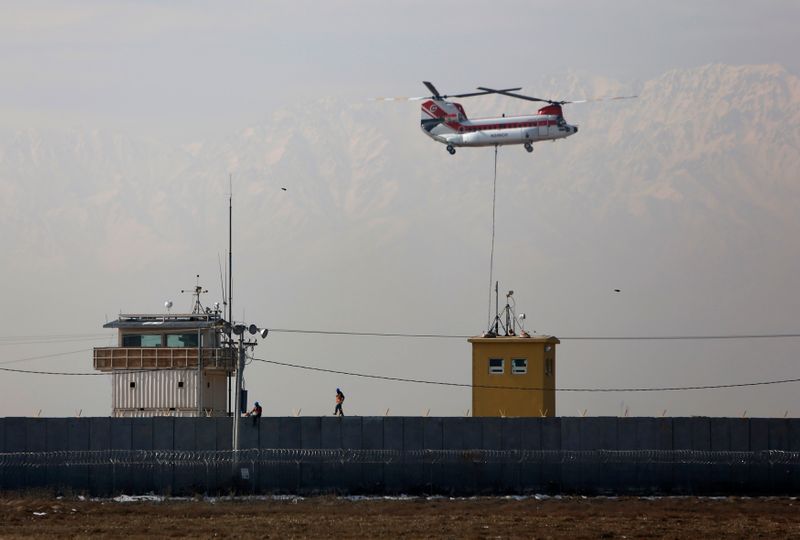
(168, 304)
(522, 316)
(216, 306)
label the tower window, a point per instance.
(180, 384)
(133, 384)
(496, 366)
(519, 366)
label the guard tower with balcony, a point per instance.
(169, 364)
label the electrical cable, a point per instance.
(44, 356)
(563, 338)
(530, 389)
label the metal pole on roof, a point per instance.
(237, 407)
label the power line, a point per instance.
(530, 389)
(80, 374)
(44, 356)
(564, 338)
(33, 339)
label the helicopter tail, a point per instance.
(439, 116)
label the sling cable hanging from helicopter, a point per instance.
(491, 254)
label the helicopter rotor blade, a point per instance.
(400, 98)
(615, 98)
(433, 89)
(483, 92)
(518, 96)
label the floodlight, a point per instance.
(264, 332)
(253, 329)
(239, 329)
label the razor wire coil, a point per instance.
(333, 456)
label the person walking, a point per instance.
(339, 400)
(255, 413)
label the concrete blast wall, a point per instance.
(411, 455)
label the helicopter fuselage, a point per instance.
(447, 123)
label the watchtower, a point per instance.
(513, 372)
(168, 364)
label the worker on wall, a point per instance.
(255, 413)
(339, 400)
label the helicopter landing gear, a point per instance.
(528, 147)
(451, 149)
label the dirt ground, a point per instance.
(329, 517)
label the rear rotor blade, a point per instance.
(432, 88)
(615, 98)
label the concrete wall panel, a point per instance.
(720, 440)
(3, 449)
(490, 475)
(16, 440)
(572, 473)
(627, 473)
(206, 439)
(185, 481)
(78, 434)
(331, 437)
(351, 438)
(100, 476)
(759, 481)
(780, 474)
(511, 433)
(269, 437)
(36, 433)
(551, 440)
(700, 474)
(393, 440)
(740, 441)
(223, 473)
(57, 440)
(289, 437)
(311, 438)
(458, 474)
(794, 446)
(413, 473)
(372, 439)
(432, 437)
(163, 439)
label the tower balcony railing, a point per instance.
(112, 358)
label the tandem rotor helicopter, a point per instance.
(446, 121)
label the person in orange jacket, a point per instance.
(339, 401)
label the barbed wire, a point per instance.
(282, 456)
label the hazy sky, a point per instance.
(192, 70)
(351, 246)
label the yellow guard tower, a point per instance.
(507, 357)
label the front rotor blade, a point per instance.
(399, 98)
(432, 88)
(483, 93)
(512, 94)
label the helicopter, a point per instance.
(446, 121)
